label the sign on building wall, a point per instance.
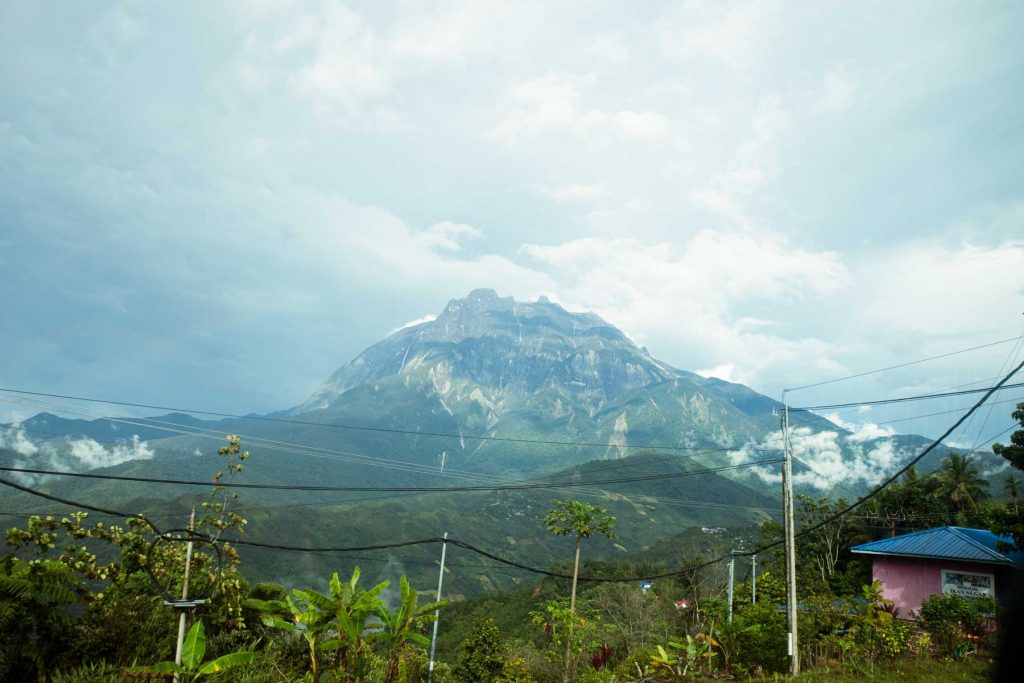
(968, 584)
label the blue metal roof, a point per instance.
(948, 543)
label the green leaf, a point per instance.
(331, 645)
(274, 622)
(419, 638)
(348, 626)
(227, 661)
(194, 647)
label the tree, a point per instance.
(1014, 453)
(962, 484)
(824, 544)
(1012, 488)
(573, 517)
(481, 657)
(400, 628)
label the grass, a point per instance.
(975, 669)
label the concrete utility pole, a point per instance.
(732, 574)
(753, 579)
(437, 612)
(184, 595)
(790, 539)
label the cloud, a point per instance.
(860, 431)
(552, 103)
(75, 455)
(446, 236)
(15, 439)
(692, 296)
(725, 371)
(413, 323)
(92, 455)
(828, 459)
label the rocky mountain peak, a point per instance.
(504, 347)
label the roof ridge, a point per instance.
(956, 530)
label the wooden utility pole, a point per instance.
(184, 594)
(790, 539)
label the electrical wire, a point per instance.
(382, 462)
(903, 365)
(347, 549)
(878, 489)
(406, 432)
(904, 399)
(367, 489)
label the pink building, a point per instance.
(946, 559)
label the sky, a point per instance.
(214, 205)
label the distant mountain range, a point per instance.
(490, 388)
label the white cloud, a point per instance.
(446, 235)
(861, 431)
(413, 323)
(689, 297)
(92, 455)
(725, 371)
(17, 440)
(828, 459)
(553, 103)
(75, 455)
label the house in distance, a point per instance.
(947, 559)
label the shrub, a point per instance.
(956, 625)
(482, 656)
(760, 635)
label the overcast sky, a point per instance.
(217, 204)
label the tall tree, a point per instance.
(1014, 453)
(962, 484)
(1012, 488)
(573, 517)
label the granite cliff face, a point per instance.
(500, 353)
(493, 366)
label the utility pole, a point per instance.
(184, 594)
(732, 574)
(437, 612)
(790, 539)
(753, 579)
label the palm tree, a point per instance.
(1012, 488)
(572, 517)
(962, 484)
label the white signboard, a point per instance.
(968, 584)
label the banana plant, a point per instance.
(351, 607)
(192, 667)
(309, 617)
(400, 628)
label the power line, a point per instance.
(346, 549)
(406, 432)
(367, 489)
(904, 399)
(903, 365)
(878, 489)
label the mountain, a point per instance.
(492, 388)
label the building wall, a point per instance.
(907, 581)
